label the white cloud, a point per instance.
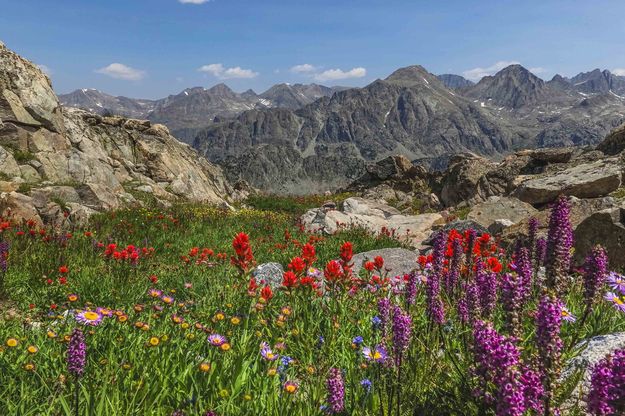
(121, 71)
(619, 71)
(219, 71)
(537, 70)
(193, 1)
(337, 74)
(303, 68)
(45, 69)
(476, 74)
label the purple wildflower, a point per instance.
(617, 301)
(336, 391)
(497, 369)
(532, 233)
(384, 310)
(411, 288)
(471, 236)
(532, 389)
(76, 353)
(617, 282)
(548, 322)
(487, 288)
(378, 354)
(435, 310)
(541, 252)
(91, 318)
(559, 244)
(4, 254)
(366, 384)
(402, 327)
(607, 392)
(595, 271)
(216, 340)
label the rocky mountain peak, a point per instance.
(221, 90)
(512, 87)
(413, 75)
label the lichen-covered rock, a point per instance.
(269, 273)
(614, 143)
(588, 180)
(99, 157)
(498, 208)
(374, 217)
(462, 178)
(606, 227)
(397, 261)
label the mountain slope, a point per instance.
(455, 82)
(325, 144)
(294, 96)
(104, 104)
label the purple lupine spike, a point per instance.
(402, 328)
(559, 244)
(512, 296)
(435, 310)
(548, 323)
(411, 288)
(76, 353)
(532, 389)
(463, 310)
(4, 255)
(384, 311)
(497, 362)
(532, 234)
(472, 296)
(541, 252)
(336, 391)
(524, 270)
(595, 272)
(487, 289)
(607, 391)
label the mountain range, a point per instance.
(191, 110)
(309, 138)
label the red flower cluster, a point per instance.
(200, 256)
(244, 259)
(129, 253)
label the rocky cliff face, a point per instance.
(57, 163)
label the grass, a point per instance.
(151, 356)
(292, 205)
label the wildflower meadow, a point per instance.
(159, 312)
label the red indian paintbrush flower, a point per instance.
(244, 258)
(289, 279)
(266, 293)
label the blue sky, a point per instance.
(152, 48)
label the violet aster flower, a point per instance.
(216, 340)
(548, 322)
(91, 318)
(607, 392)
(336, 391)
(617, 282)
(617, 301)
(402, 327)
(76, 353)
(267, 353)
(595, 271)
(378, 354)
(559, 244)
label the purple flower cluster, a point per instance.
(497, 368)
(595, 272)
(548, 323)
(411, 288)
(470, 237)
(532, 233)
(559, 244)
(540, 252)
(76, 353)
(402, 329)
(384, 311)
(607, 392)
(486, 282)
(4, 253)
(453, 275)
(435, 310)
(336, 391)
